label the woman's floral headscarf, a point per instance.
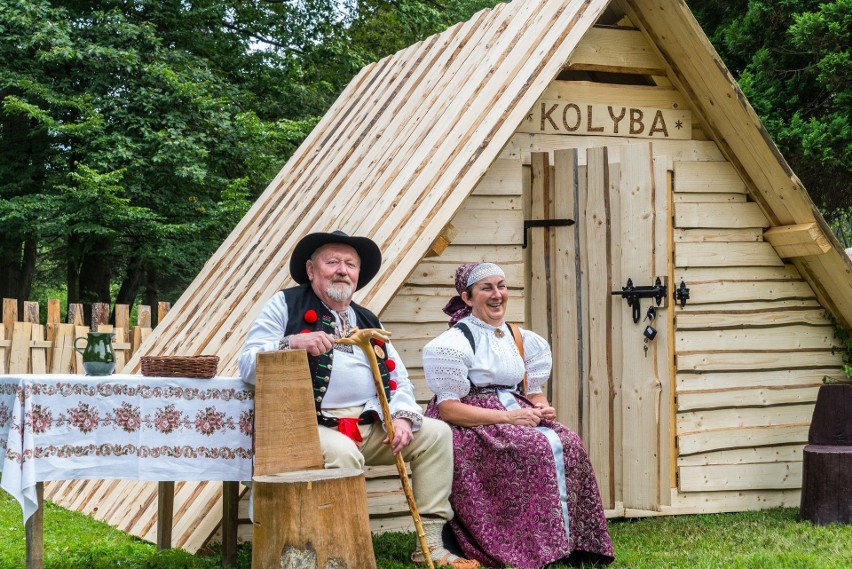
(466, 275)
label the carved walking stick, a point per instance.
(361, 338)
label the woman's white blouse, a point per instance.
(449, 360)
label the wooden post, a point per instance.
(4, 347)
(142, 328)
(165, 490)
(54, 317)
(19, 359)
(75, 314)
(143, 315)
(31, 312)
(63, 349)
(10, 316)
(162, 309)
(165, 513)
(230, 522)
(79, 332)
(100, 314)
(312, 518)
(35, 532)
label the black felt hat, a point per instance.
(371, 256)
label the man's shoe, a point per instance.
(447, 560)
(439, 554)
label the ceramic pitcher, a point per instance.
(98, 357)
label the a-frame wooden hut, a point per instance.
(619, 115)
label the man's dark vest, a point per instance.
(303, 306)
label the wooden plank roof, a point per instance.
(393, 159)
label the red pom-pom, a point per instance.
(393, 385)
(391, 365)
(311, 316)
(379, 342)
(305, 331)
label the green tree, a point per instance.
(133, 136)
(792, 60)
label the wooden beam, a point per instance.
(798, 240)
(616, 51)
(442, 241)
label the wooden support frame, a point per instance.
(444, 239)
(799, 240)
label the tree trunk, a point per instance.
(151, 292)
(27, 269)
(72, 279)
(17, 267)
(10, 252)
(95, 273)
(132, 281)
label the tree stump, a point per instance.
(827, 459)
(312, 519)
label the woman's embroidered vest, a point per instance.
(307, 313)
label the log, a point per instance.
(826, 480)
(832, 420)
(827, 460)
(299, 521)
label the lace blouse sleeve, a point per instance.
(446, 361)
(538, 360)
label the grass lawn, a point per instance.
(768, 539)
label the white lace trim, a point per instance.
(449, 361)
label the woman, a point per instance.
(524, 492)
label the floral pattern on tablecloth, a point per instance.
(126, 427)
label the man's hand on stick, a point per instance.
(402, 435)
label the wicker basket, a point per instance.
(180, 366)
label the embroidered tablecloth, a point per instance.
(72, 427)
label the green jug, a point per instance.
(98, 357)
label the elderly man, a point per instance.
(329, 267)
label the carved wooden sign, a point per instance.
(566, 117)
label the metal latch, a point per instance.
(544, 223)
(681, 294)
(633, 293)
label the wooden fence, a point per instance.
(27, 346)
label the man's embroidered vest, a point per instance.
(307, 313)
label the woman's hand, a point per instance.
(527, 416)
(547, 412)
(540, 402)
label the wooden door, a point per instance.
(609, 383)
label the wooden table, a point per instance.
(128, 427)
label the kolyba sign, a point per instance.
(563, 117)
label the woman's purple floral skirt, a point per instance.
(506, 494)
